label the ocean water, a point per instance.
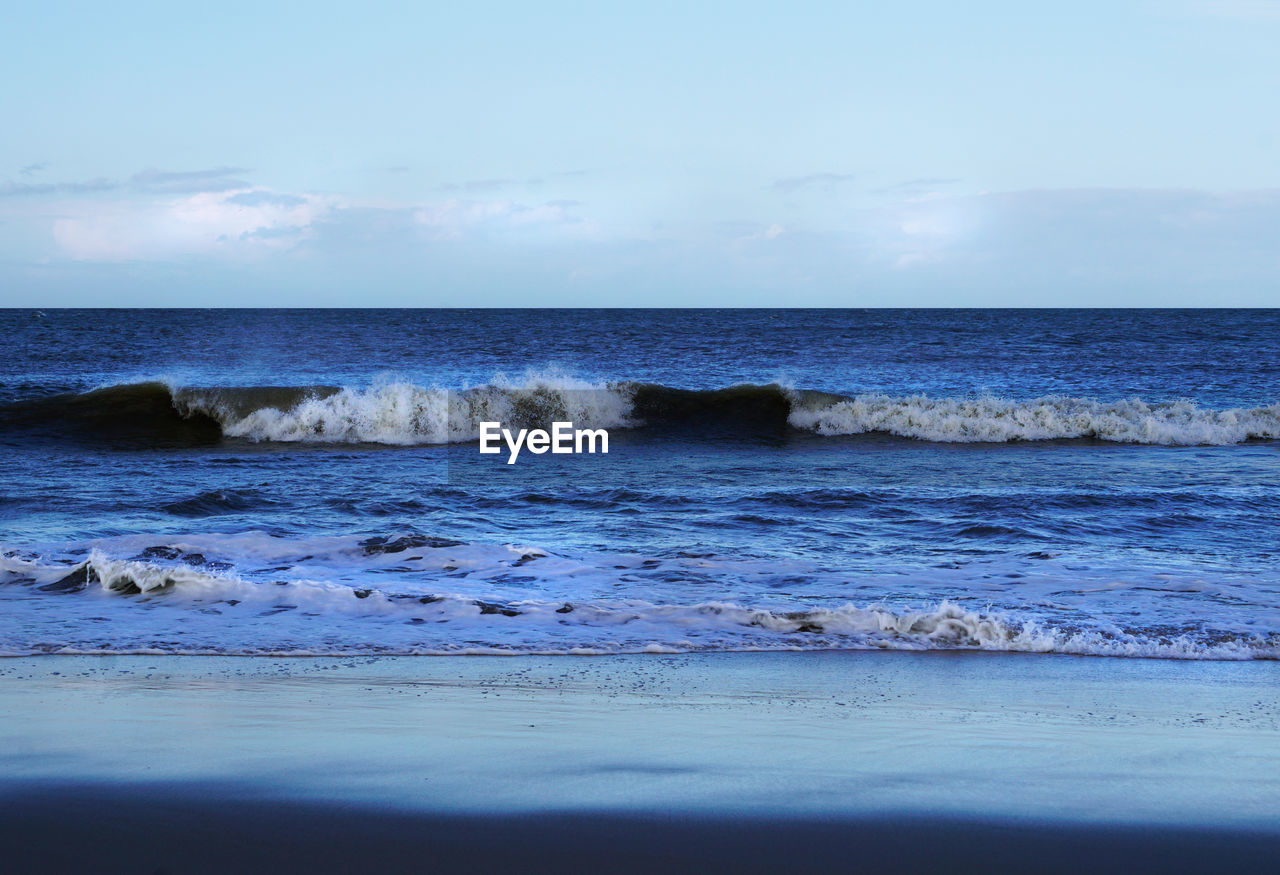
(309, 482)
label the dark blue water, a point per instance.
(308, 481)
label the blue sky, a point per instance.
(843, 154)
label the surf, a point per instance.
(397, 413)
(151, 595)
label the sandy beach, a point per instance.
(640, 438)
(758, 761)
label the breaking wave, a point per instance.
(1000, 420)
(219, 612)
(400, 413)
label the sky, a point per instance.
(1121, 153)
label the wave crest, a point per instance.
(1000, 420)
(219, 611)
(406, 414)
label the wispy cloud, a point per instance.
(820, 181)
(475, 186)
(773, 232)
(916, 186)
(198, 224)
(161, 222)
(262, 197)
(453, 219)
(149, 181)
(27, 189)
(1139, 237)
(189, 181)
(481, 186)
(1077, 241)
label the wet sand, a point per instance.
(780, 761)
(197, 830)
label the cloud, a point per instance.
(33, 169)
(262, 197)
(473, 186)
(1091, 240)
(481, 186)
(911, 187)
(773, 232)
(146, 182)
(250, 222)
(1085, 246)
(188, 181)
(454, 218)
(25, 189)
(200, 224)
(822, 181)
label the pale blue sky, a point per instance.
(848, 154)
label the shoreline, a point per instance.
(854, 755)
(498, 653)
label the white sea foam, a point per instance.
(992, 419)
(175, 607)
(394, 412)
(401, 413)
(119, 575)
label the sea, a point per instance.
(309, 482)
